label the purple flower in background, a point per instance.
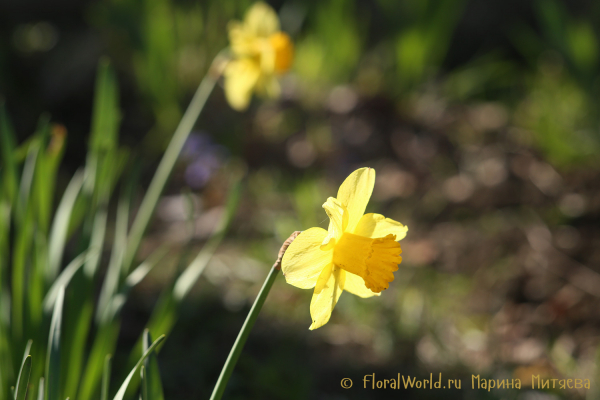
(203, 158)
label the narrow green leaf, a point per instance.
(24, 373)
(238, 346)
(165, 168)
(64, 278)
(106, 377)
(25, 230)
(27, 350)
(4, 240)
(53, 353)
(23, 381)
(42, 131)
(138, 274)
(7, 147)
(45, 175)
(105, 116)
(111, 281)
(121, 393)
(117, 301)
(151, 382)
(6, 362)
(22, 253)
(60, 226)
(75, 353)
(41, 389)
(144, 383)
(164, 314)
(104, 343)
(97, 241)
(36, 282)
(188, 278)
(28, 173)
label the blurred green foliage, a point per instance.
(42, 302)
(399, 49)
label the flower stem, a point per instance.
(243, 335)
(168, 161)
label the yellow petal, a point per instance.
(261, 20)
(323, 278)
(240, 79)
(239, 40)
(355, 193)
(356, 285)
(322, 303)
(304, 261)
(377, 226)
(338, 217)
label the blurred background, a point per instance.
(480, 118)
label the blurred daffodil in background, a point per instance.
(260, 52)
(358, 253)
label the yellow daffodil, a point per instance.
(358, 253)
(261, 52)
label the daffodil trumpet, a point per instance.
(359, 253)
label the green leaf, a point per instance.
(151, 382)
(144, 384)
(47, 168)
(188, 278)
(138, 274)
(106, 377)
(24, 373)
(23, 381)
(111, 280)
(238, 346)
(104, 343)
(22, 252)
(164, 314)
(28, 173)
(96, 241)
(7, 377)
(106, 115)
(115, 302)
(60, 225)
(27, 349)
(118, 300)
(78, 337)
(64, 278)
(121, 393)
(9, 164)
(53, 353)
(165, 167)
(36, 282)
(4, 239)
(41, 389)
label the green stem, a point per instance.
(242, 336)
(166, 165)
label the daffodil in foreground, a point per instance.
(358, 253)
(261, 52)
